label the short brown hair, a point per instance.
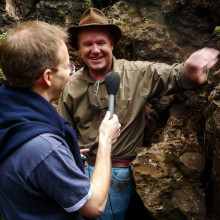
(29, 49)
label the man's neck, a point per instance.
(97, 75)
(41, 90)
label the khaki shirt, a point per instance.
(140, 80)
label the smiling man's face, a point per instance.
(95, 46)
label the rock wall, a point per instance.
(213, 136)
(177, 172)
(168, 174)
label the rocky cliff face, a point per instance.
(177, 172)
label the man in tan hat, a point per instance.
(85, 100)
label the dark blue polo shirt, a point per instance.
(41, 181)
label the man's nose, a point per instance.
(95, 48)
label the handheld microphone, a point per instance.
(112, 82)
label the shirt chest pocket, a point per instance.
(123, 110)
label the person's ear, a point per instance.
(78, 45)
(79, 49)
(47, 77)
(112, 43)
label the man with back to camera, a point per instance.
(41, 170)
(85, 100)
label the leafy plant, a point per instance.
(2, 77)
(2, 36)
(217, 28)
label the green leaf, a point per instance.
(2, 36)
(217, 28)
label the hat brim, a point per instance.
(73, 31)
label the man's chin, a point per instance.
(97, 68)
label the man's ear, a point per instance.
(47, 77)
(112, 43)
(78, 45)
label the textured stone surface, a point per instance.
(57, 12)
(213, 135)
(62, 12)
(168, 174)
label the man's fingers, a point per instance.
(86, 150)
(107, 116)
(115, 117)
(202, 78)
(209, 56)
(206, 57)
(212, 63)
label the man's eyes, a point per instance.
(90, 44)
(87, 44)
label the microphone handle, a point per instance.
(111, 104)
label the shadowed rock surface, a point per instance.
(168, 174)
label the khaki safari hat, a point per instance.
(93, 17)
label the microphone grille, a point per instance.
(112, 82)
